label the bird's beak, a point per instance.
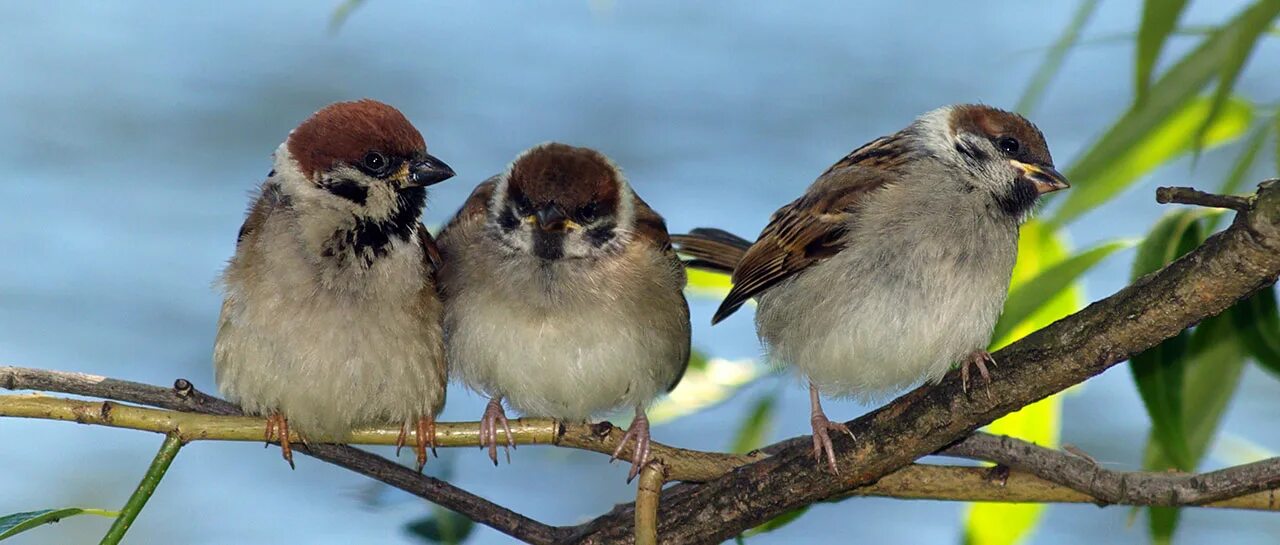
(1045, 178)
(551, 218)
(427, 170)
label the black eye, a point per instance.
(375, 162)
(588, 213)
(1008, 144)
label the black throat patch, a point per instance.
(1019, 199)
(371, 239)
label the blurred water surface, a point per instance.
(132, 133)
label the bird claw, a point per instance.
(639, 432)
(978, 359)
(493, 417)
(822, 439)
(424, 436)
(278, 431)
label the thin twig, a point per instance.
(652, 476)
(159, 465)
(1189, 195)
(1126, 487)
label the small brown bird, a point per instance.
(563, 295)
(895, 263)
(331, 318)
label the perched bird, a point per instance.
(895, 263)
(563, 295)
(331, 319)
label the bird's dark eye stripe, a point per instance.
(970, 151)
(601, 234)
(348, 190)
(507, 219)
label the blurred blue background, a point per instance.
(132, 133)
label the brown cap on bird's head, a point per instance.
(344, 132)
(565, 177)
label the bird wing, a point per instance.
(806, 231)
(651, 229)
(269, 197)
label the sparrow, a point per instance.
(563, 295)
(895, 263)
(331, 319)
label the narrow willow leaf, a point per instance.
(1159, 17)
(342, 12)
(442, 526)
(16, 523)
(756, 427)
(1243, 38)
(1029, 297)
(1137, 157)
(1213, 370)
(708, 284)
(1258, 322)
(1165, 97)
(1053, 59)
(1158, 371)
(1240, 169)
(1039, 249)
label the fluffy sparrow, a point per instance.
(563, 295)
(895, 263)
(331, 318)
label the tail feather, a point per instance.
(711, 249)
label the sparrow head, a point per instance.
(1003, 153)
(562, 202)
(363, 156)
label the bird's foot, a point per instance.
(424, 436)
(822, 438)
(493, 417)
(978, 359)
(278, 430)
(638, 432)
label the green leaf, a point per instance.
(708, 284)
(1053, 59)
(11, 525)
(1243, 38)
(755, 429)
(1167, 96)
(777, 522)
(1240, 169)
(1101, 175)
(1158, 372)
(1029, 297)
(442, 526)
(1258, 322)
(1215, 364)
(1159, 17)
(342, 12)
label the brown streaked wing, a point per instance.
(802, 233)
(268, 198)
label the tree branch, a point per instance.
(184, 397)
(1226, 268)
